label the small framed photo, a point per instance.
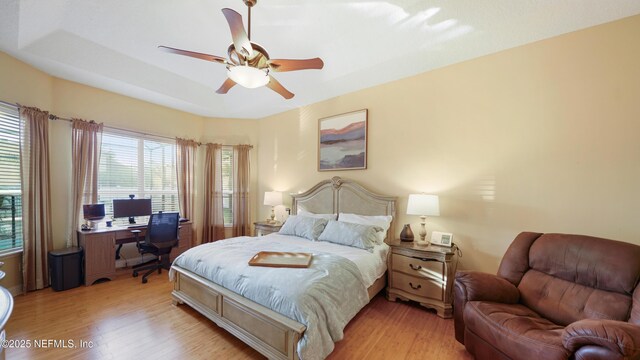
(442, 239)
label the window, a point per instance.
(10, 189)
(227, 185)
(140, 166)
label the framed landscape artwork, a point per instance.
(343, 142)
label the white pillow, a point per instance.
(383, 221)
(350, 234)
(304, 212)
(303, 226)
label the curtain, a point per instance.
(36, 197)
(185, 168)
(213, 221)
(240, 203)
(86, 140)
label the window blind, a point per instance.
(160, 175)
(133, 165)
(10, 188)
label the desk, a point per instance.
(100, 248)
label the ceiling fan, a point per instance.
(249, 64)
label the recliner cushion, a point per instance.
(516, 330)
(515, 263)
(565, 302)
(594, 262)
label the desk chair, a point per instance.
(161, 236)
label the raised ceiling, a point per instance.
(112, 45)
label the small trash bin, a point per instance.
(65, 268)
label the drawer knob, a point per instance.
(413, 267)
(415, 287)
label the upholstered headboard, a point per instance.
(347, 196)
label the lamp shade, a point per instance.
(273, 198)
(423, 205)
(248, 76)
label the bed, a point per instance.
(269, 332)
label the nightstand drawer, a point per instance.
(417, 285)
(426, 268)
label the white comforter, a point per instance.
(323, 297)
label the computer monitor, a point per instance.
(93, 211)
(131, 208)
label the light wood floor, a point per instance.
(125, 319)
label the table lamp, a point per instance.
(273, 199)
(423, 205)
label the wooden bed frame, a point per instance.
(270, 333)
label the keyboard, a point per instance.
(136, 226)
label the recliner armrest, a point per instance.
(618, 336)
(480, 286)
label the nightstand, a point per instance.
(424, 274)
(264, 228)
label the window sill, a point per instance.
(10, 253)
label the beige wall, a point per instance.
(543, 137)
(23, 84)
(26, 85)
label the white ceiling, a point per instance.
(112, 44)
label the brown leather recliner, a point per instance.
(556, 296)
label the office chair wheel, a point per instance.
(135, 274)
(144, 280)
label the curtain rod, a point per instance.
(55, 117)
(10, 104)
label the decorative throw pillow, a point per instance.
(349, 234)
(304, 212)
(303, 226)
(383, 221)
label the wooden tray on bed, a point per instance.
(281, 259)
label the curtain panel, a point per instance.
(36, 197)
(86, 141)
(240, 203)
(185, 170)
(213, 222)
(185, 174)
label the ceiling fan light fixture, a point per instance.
(249, 64)
(248, 76)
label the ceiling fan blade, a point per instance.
(240, 39)
(293, 65)
(274, 85)
(226, 85)
(194, 54)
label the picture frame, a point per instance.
(342, 141)
(442, 239)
